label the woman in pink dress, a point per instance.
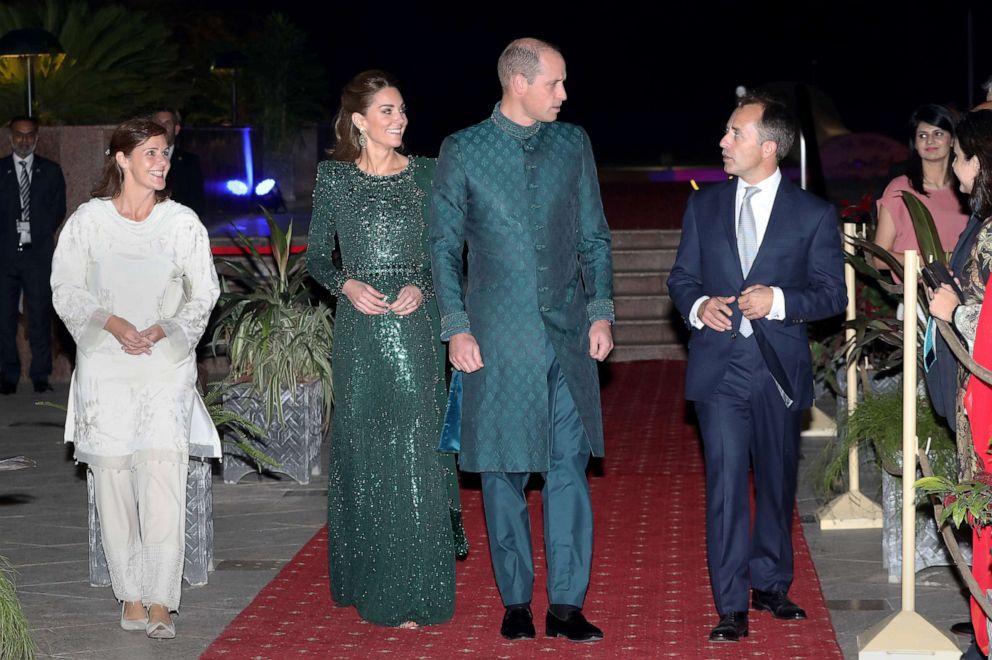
(930, 178)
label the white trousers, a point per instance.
(143, 520)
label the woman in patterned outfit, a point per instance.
(392, 497)
(973, 167)
(134, 281)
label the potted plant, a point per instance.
(15, 632)
(877, 421)
(277, 334)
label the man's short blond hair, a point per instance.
(522, 56)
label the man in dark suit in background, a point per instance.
(32, 206)
(185, 177)
(758, 259)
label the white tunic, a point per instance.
(125, 408)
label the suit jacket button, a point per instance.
(733, 335)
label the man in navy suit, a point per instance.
(758, 259)
(27, 241)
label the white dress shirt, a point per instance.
(761, 203)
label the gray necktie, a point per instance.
(747, 244)
(24, 225)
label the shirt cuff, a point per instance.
(601, 310)
(452, 324)
(693, 313)
(175, 345)
(777, 312)
(93, 332)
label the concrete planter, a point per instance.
(293, 442)
(930, 548)
(199, 527)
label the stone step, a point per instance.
(647, 331)
(643, 307)
(633, 352)
(645, 239)
(625, 261)
(642, 283)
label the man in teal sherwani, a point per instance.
(521, 192)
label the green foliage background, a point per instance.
(121, 61)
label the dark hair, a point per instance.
(777, 124)
(936, 115)
(126, 137)
(176, 116)
(356, 97)
(974, 138)
(18, 118)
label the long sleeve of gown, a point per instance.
(449, 204)
(184, 329)
(79, 309)
(322, 231)
(966, 322)
(424, 175)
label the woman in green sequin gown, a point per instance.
(394, 519)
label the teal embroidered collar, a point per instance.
(512, 128)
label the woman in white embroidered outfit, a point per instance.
(134, 281)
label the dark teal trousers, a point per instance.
(567, 509)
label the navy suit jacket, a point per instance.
(47, 208)
(800, 253)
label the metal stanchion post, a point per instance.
(906, 635)
(852, 510)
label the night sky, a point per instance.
(657, 84)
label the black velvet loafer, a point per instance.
(573, 627)
(518, 623)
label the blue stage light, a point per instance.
(239, 188)
(264, 187)
(268, 195)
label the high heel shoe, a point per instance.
(132, 624)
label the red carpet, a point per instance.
(650, 591)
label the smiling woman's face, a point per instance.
(148, 164)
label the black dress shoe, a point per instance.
(777, 603)
(42, 386)
(518, 623)
(7, 387)
(732, 627)
(573, 627)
